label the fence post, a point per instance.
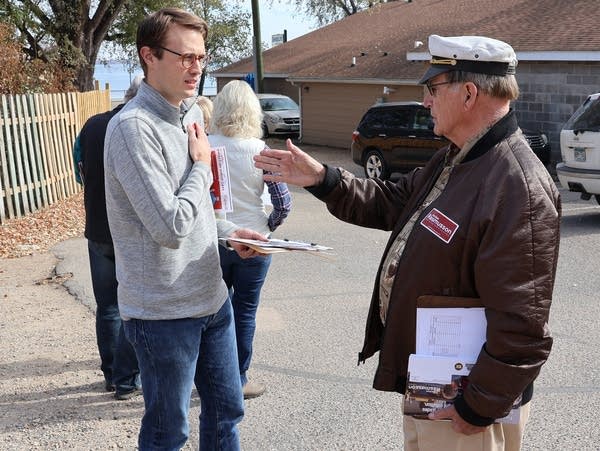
(40, 106)
(19, 125)
(66, 168)
(36, 148)
(26, 139)
(12, 170)
(5, 180)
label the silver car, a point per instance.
(281, 115)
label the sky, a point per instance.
(281, 16)
(273, 19)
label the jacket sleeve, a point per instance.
(369, 203)
(514, 276)
(282, 204)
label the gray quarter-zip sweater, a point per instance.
(160, 213)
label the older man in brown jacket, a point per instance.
(480, 220)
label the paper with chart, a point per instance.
(451, 332)
(448, 343)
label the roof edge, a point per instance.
(355, 81)
(554, 55)
(242, 75)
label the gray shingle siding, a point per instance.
(551, 92)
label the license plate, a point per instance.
(579, 154)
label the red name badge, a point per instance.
(440, 225)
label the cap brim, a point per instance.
(433, 71)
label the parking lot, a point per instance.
(310, 329)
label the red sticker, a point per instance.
(440, 225)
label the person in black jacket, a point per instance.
(118, 361)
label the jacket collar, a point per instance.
(499, 131)
(150, 99)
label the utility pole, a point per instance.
(258, 61)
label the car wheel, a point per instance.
(375, 166)
(265, 130)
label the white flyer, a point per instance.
(220, 189)
(451, 332)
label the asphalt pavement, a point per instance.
(311, 323)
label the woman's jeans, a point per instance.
(174, 354)
(244, 278)
(117, 356)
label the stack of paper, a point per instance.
(448, 342)
(273, 245)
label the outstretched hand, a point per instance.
(458, 424)
(291, 166)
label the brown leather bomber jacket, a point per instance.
(504, 252)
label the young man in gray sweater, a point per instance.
(175, 305)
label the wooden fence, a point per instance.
(37, 132)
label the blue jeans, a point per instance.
(173, 355)
(244, 278)
(117, 356)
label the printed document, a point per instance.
(220, 189)
(448, 342)
(451, 332)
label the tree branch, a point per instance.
(46, 22)
(100, 24)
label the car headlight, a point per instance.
(544, 138)
(273, 118)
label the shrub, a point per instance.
(20, 74)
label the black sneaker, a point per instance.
(109, 386)
(124, 395)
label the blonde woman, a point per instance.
(206, 106)
(236, 125)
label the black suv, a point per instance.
(394, 137)
(398, 137)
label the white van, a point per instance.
(580, 150)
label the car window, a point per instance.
(423, 120)
(587, 117)
(278, 104)
(393, 120)
(373, 120)
(399, 118)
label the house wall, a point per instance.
(281, 86)
(550, 93)
(330, 112)
(222, 81)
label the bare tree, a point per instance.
(327, 11)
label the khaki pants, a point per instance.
(428, 435)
